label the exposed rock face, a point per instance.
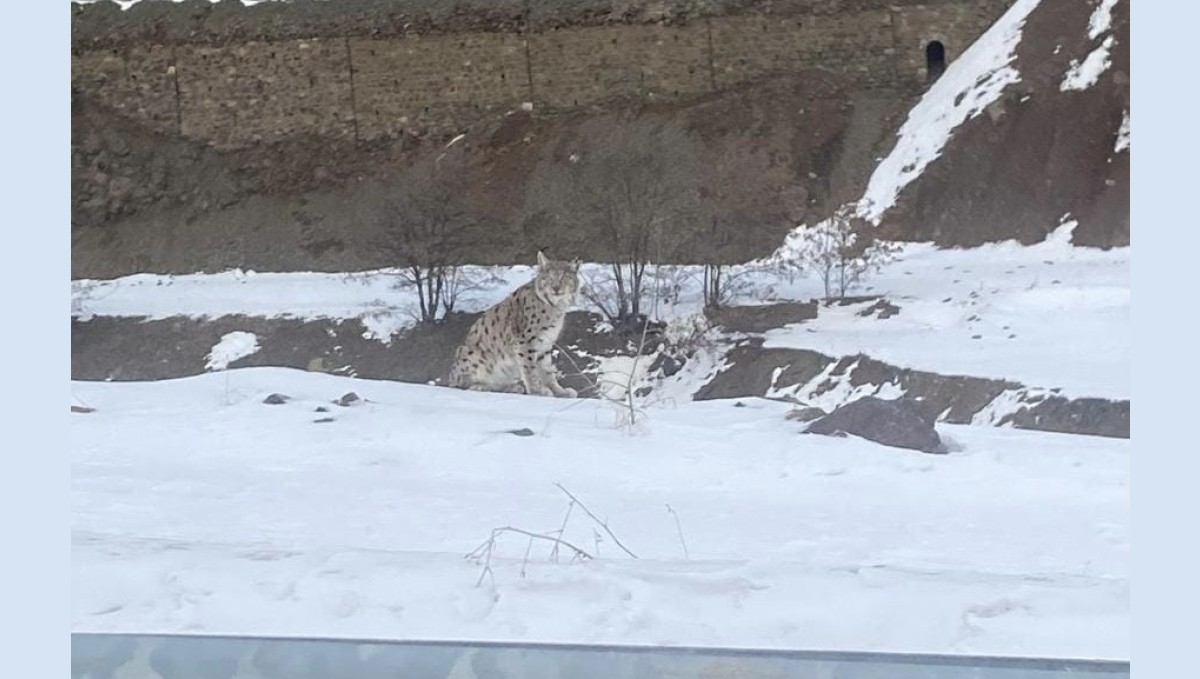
(895, 423)
(805, 376)
(1038, 155)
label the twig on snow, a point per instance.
(595, 518)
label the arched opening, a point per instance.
(935, 60)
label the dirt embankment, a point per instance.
(788, 148)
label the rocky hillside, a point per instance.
(752, 161)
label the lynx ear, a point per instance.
(541, 259)
(575, 265)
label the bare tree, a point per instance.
(423, 227)
(734, 183)
(631, 187)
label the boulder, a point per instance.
(897, 423)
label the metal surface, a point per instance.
(125, 656)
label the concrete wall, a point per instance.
(345, 82)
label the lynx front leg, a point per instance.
(550, 378)
(534, 376)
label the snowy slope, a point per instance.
(1047, 315)
(196, 507)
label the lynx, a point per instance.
(508, 349)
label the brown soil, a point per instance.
(148, 202)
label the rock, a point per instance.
(523, 431)
(323, 420)
(804, 414)
(82, 409)
(348, 399)
(880, 309)
(896, 423)
(119, 188)
(276, 399)
(321, 409)
(667, 365)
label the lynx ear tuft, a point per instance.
(541, 259)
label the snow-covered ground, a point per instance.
(1049, 315)
(198, 508)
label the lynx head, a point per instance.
(557, 282)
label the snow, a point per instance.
(969, 84)
(197, 508)
(1101, 19)
(231, 347)
(1083, 75)
(371, 296)
(1122, 135)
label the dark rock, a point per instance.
(1096, 416)
(321, 409)
(523, 431)
(348, 399)
(323, 420)
(276, 399)
(880, 309)
(805, 414)
(895, 423)
(82, 409)
(667, 365)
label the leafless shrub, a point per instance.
(842, 250)
(482, 555)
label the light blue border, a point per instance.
(1165, 187)
(35, 339)
(179, 656)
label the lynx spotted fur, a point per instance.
(508, 349)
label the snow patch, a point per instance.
(233, 346)
(1083, 75)
(1101, 19)
(1009, 403)
(1122, 134)
(828, 391)
(969, 84)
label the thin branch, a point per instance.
(679, 529)
(561, 529)
(602, 524)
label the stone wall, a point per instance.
(234, 77)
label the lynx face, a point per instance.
(557, 282)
